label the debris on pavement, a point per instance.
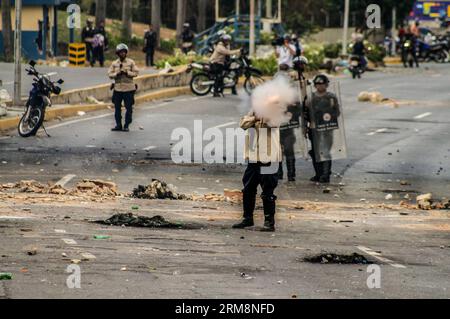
(129, 219)
(374, 97)
(6, 276)
(426, 202)
(330, 258)
(101, 237)
(157, 190)
(86, 188)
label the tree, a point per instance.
(156, 19)
(7, 30)
(181, 18)
(127, 24)
(201, 17)
(100, 12)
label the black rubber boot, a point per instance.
(269, 214)
(316, 168)
(249, 202)
(280, 171)
(325, 172)
(290, 163)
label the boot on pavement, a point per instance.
(249, 202)
(269, 214)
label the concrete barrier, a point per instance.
(178, 78)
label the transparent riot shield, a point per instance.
(326, 124)
(302, 137)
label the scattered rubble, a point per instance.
(86, 188)
(157, 190)
(132, 220)
(374, 97)
(330, 258)
(426, 202)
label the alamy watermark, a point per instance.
(373, 16)
(374, 279)
(259, 145)
(73, 281)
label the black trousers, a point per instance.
(128, 99)
(217, 70)
(322, 169)
(150, 56)
(98, 55)
(251, 180)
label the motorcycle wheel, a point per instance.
(196, 84)
(252, 82)
(443, 57)
(31, 121)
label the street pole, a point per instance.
(17, 54)
(393, 32)
(345, 35)
(252, 28)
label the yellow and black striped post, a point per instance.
(77, 54)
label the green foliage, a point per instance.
(266, 38)
(267, 66)
(296, 21)
(178, 59)
(168, 46)
(332, 50)
(315, 54)
(376, 52)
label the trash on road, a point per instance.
(6, 276)
(157, 190)
(132, 220)
(101, 237)
(330, 258)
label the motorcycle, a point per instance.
(437, 51)
(38, 101)
(408, 52)
(356, 67)
(202, 82)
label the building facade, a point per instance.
(39, 27)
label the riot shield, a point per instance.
(326, 127)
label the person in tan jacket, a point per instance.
(263, 153)
(123, 71)
(218, 59)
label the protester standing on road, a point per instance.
(98, 49)
(187, 38)
(323, 106)
(150, 42)
(286, 53)
(123, 70)
(218, 58)
(87, 36)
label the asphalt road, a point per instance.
(75, 78)
(386, 145)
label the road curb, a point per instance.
(72, 110)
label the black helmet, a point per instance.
(321, 79)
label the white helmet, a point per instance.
(121, 47)
(226, 37)
(221, 33)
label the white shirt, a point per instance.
(285, 56)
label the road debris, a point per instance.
(102, 237)
(86, 188)
(157, 190)
(6, 276)
(132, 220)
(330, 258)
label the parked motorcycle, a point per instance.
(356, 67)
(437, 51)
(38, 101)
(202, 82)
